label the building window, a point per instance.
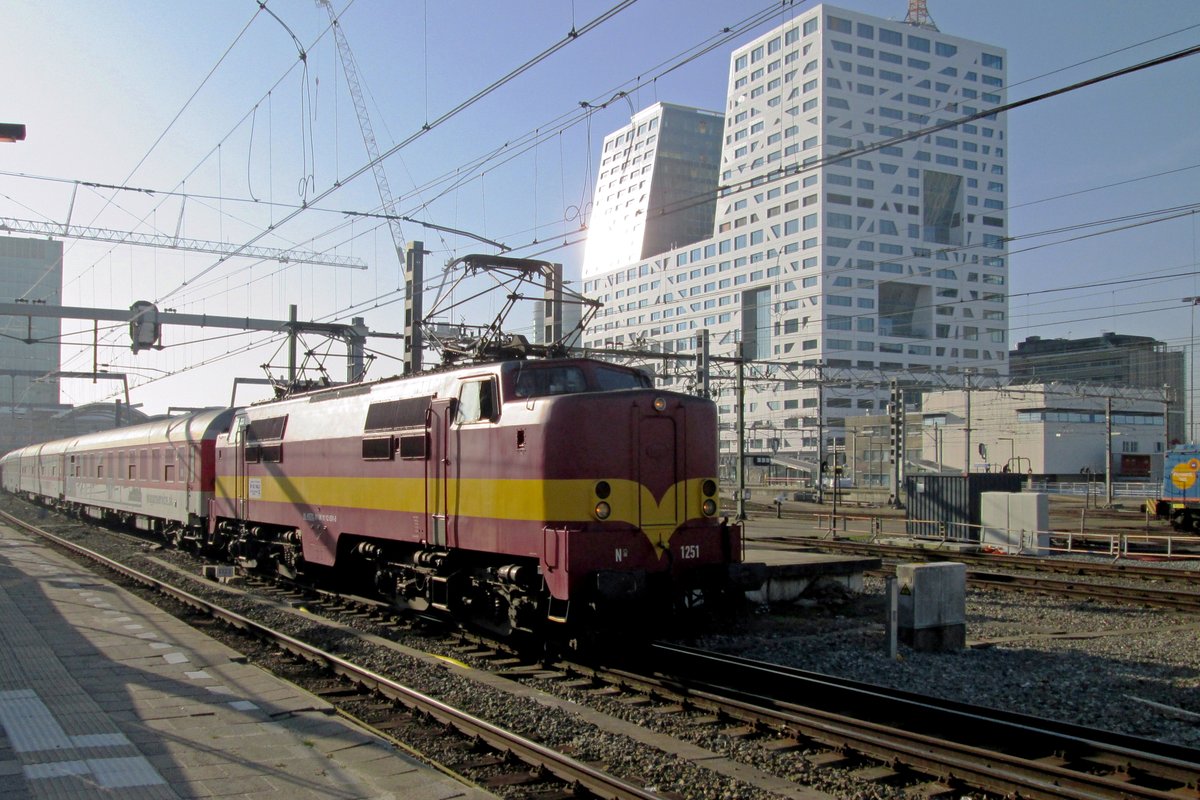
(839, 25)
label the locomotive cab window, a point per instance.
(608, 379)
(545, 381)
(477, 401)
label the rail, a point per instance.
(995, 749)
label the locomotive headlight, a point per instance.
(709, 487)
(709, 507)
(660, 404)
(602, 510)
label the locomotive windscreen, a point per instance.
(609, 379)
(567, 379)
(550, 380)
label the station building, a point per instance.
(1111, 359)
(837, 240)
(1055, 431)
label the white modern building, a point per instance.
(655, 188)
(839, 239)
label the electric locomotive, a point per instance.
(520, 496)
(1180, 503)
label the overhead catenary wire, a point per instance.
(426, 128)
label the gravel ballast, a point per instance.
(1126, 668)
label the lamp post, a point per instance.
(1191, 396)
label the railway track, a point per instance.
(364, 684)
(931, 747)
(1188, 601)
(874, 734)
(999, 751)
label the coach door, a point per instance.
(438, 519)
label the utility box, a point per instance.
(947, 506)
(1016, 523)
(933, 606)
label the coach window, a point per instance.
(477, 401)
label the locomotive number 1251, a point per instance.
(687, 551)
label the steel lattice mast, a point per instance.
(918, 15)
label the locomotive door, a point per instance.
(661, 500)
(239, 469)
(438, 519)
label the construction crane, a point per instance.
(364, 123)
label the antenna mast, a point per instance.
(918, 15)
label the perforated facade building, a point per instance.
(837, 238)
(654, 191)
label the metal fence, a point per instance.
(938, 533)
(1141, 490)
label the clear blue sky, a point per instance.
(100, 85)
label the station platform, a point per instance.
(104, 695)
(792, 573)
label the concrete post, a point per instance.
(933, 606)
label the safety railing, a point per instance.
(938, 533)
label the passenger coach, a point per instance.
(157, 475)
